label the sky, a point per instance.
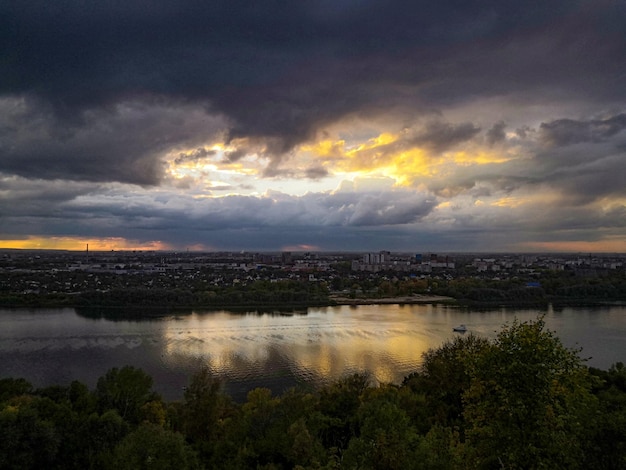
(318, 125)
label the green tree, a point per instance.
(154, 412)
(282, 430)
(26, 440)
(152, 447)
(98, 436)
(338, 404)
(265, 439)
(125, 390)
(83, 401)
(10, 388)
(305, 448)
(205, 413)
(444, 377)
(606, 435)
(440, 449)
(527, 401)
(386, 438)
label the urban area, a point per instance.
(124, 278)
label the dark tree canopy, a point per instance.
(521, 401)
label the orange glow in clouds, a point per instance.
(388, 155)
(79, 244)
(301, 248)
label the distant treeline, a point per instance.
(522, 400)
(540, 289)
(257, 293)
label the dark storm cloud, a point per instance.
(583, 159)
(93, 94)
(316, 172)
(108, 211)
(372, 211)
(496, 133)
(124, 143)
(524, 132)
(194, 156)
(439, 136)
(585, 183)
(38, 198)
(568, 131)
(281, 70)
(235, 155)
(509, 229)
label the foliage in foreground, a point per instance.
(520, 401)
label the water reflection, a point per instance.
(276, 349)
(324, 345)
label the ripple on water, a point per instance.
(329, 344)
(134, 343)
(108, 342)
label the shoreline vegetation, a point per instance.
(164, 300)
(451, 413)
(295, 306)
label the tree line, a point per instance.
(522, 400)
(255, 293)
(112, 290)
(540, 288)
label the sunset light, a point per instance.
(81, 244)
(477, 122)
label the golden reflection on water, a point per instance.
(324, 344)
(55, 346)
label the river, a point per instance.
(275, 350)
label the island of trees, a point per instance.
(521, 401)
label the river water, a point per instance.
(277, 349)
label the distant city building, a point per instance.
(383, 261)
(441, 262)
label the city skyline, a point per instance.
(314, 126)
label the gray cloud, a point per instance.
(125, 143)
(316, 172)
(110, 209)
(194, 156)
(92, 100)
(439, 136)
(344, 220)
(568, 131)
(372, 211)
(38, 198)
(593, 180)
(281, 72)
(235, 155)
(496, 133)
(524, 132)
(436, 136)
(582, 161)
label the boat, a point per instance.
(460, 329)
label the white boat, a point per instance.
(460, 329)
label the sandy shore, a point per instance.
(412, 299)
